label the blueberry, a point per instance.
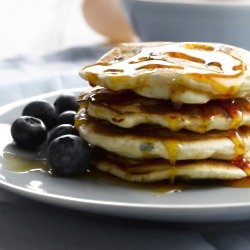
(28, 132)
(66, 102)
(68, 155)
(67, 117)
(64, 129)
(43, 110)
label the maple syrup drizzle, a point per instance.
(173, 122)
(242, 163)
(198, 46)
(234, 112)
(159, 66)
(92, 78)
(215, 64)
(114, 70)
(142, 59)
(214, 81)
(172, 147)
(200, 62)
(184, 56)
(239, 159)
(239, 146)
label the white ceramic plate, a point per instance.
(199, 204)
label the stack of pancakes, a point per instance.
(168, 110)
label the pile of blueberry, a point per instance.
(67, 153)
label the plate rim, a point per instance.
(10, 186)
(93, 203)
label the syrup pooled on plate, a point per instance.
(19, 164)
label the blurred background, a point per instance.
(39, 27)
(42, 27)
(45, 43)
(29, 27)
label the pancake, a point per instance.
(159, 169)
(127, 109)
(182, 72)
(148, 141)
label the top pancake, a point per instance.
(182, 72)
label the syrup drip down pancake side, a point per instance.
(155, 170)
(127, 109)
(148, 141)
(182, 72)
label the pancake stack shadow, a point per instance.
(168, 111)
